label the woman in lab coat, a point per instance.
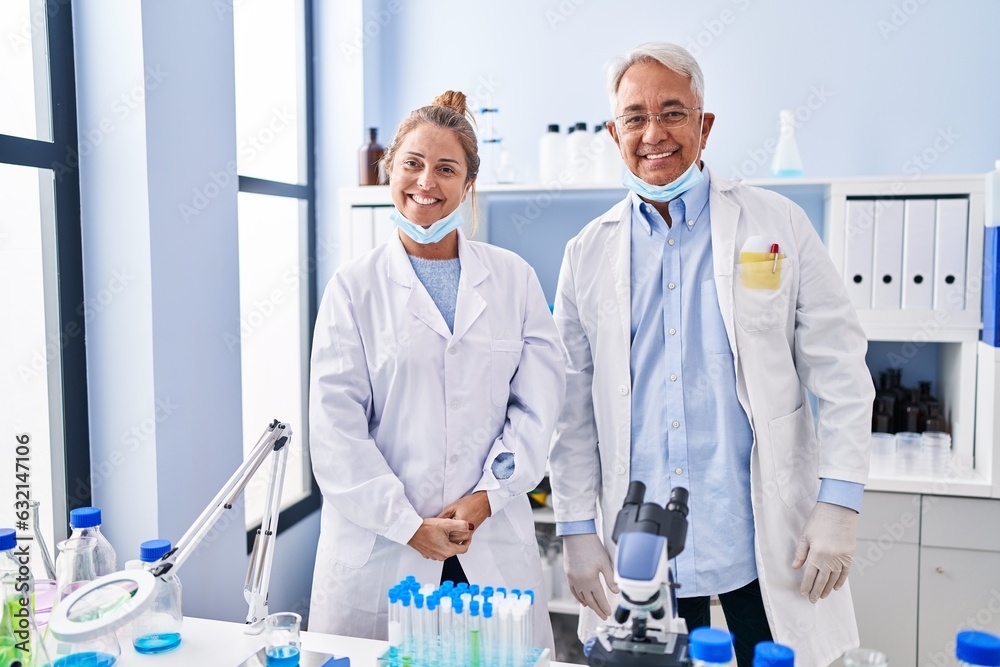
(437, 378)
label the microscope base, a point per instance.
(627, 653)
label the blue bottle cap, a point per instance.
(151, 551)
(769, 654)
(978, 648)
(710, 645)
(8, 539)
(85, 517)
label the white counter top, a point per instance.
(207, 643)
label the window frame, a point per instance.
(306, 192)
(60, 155)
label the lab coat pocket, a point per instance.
(794, 457)
(504, 358)
(761, 297)
(713, 329)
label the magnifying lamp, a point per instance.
(108, 603)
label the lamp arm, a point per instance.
(258, 580)
(274, 438)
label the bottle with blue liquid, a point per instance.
(158, 629)
(786, 162)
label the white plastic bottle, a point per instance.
(609, 161)
(787, 162)
(552, 156)
(578, 144)
(158, 628)
(710, 647)
(86, 522)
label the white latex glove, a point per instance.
(585, 560)
(826, 548)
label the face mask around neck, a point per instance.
(432, 234)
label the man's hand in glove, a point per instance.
(585, 559)
(826, 548)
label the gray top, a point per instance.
(440, 278)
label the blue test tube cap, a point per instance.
(474, 607)
(462, 587)
(531, 594)
(418, 600)
(503, 590)
(710, 645)
(457, 605)
(977, 648)
(404, 597)
(488, 591)
(474, 589)
(487, 610)
(432, 603)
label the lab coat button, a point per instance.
(620, 469)
(623, 389)
(455, 405)
(452, 350)
(676, 424)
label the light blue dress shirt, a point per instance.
(688, 427)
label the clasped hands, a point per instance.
(450, 532)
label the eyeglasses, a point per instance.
(637, 121)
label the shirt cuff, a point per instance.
(840, 492)
(503, 465)
(564, 528)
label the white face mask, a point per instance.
(432, 234)
(691, 177)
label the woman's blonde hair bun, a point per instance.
(452, 99)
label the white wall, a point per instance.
(888, 80)
(156, 100)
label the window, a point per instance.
(277, 237)
(43, 397)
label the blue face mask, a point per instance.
(664, 193)
(432, 234)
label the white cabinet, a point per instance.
(959, 573)
(883, 578)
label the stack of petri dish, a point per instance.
(883, 459)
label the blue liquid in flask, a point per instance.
(282, 656)
(86, 659)
(159, 643)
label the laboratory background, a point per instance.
(181, 179)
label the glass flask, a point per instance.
(74, 565)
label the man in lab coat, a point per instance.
(695, 315)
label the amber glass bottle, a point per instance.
(369, 158)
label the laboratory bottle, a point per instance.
(710, 647)
(578, 144)
(86, 522)
(552, 156)
(770, 654)
(882, 417)
(974, 647)
(505, 170)
(609, 160)
(370, 159)
(913, 415)
(158, 628)
(15, 617)
(786, 161)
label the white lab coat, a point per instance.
(406, 417)
(803, 335)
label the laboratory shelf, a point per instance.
(973, 484)
(564, 606)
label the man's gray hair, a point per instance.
(671, 56)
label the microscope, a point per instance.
(647, 536)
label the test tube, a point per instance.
(474, 635)
(419, 634)
(518, 616)
(504, 635)
(459, 632)
(445, 632)
(488, 636)
(405, 625)
(529, 636)
(395, 632)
